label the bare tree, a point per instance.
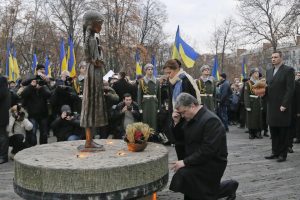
(270, 20)
(68, 13)
(153, 18)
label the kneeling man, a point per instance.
(199, 174)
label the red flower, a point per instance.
(138, 135)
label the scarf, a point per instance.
(177, 82)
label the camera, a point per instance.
(69, 114)
(40, 81)
(129, 108)
(68, 81)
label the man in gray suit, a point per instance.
(280, 81)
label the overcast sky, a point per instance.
(197, 19)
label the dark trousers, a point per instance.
(4, 144)
(280, 140)
(223, 115)
(42, 125)
(16, 142)
(226, 189)
(264, 121)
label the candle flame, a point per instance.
(121, 153)
(82, 155)
(109, 142)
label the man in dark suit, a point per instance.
(280, 81)
(199, 173)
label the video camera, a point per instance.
(68, 81)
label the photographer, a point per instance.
(35, 96)
(126, 112)
(17, 127)
(66, 127)
(64, 93)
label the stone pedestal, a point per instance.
(59, 171)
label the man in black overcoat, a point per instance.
(280, 90)
(4, 118)
(198, 175)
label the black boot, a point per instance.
(258, 135)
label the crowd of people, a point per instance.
(43, 103)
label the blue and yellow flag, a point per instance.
(62, 56)
(215, 71)
(183, 50)
(34, 63)
(47, 67)
(153, 62)
(15, 66)
(7, 68)
(138, 68)
(71, 58)
(244, 69)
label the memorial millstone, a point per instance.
(60, 171)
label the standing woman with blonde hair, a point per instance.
(93, 112)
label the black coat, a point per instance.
(279, 92)
(297, 96)
(4, 101)
(35, 101)
(63, 128)
(206, 156)
(122, 86)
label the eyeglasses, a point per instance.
(150, 69)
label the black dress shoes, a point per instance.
(271, 157)
(281, 159)
(3, 160)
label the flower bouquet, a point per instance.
(137, 135)
(259, 88)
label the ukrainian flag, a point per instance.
(62, 56)
(183, 50)
(138, 68)
(215, 71)
(11, 76)
(244, 69)
(47, 67)
(8, 63)
(71, 58)
(153, 62)
(34, 63)
(15, 66)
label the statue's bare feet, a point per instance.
(93, 144)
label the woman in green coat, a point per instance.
(253, 106)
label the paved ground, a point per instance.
(258, 178)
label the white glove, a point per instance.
(248, 109)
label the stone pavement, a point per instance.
(259, 178)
